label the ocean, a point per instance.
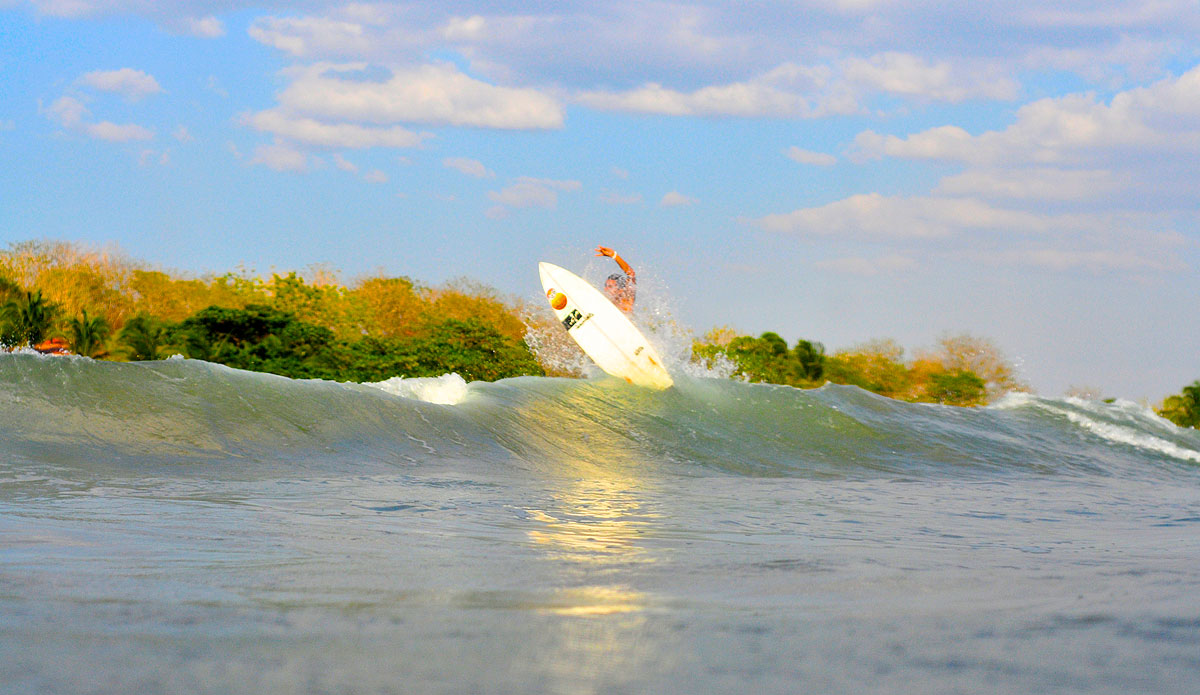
(179, 526)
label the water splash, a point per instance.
(448, 389)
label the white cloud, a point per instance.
(858, 265)
(789, 90)
(1092, 15)
(182, 134)
(313, 132)
(436, 94)
(375, 176)
(1076, 129)
(529, 192)
(280, 157)
(792, 90)
(305, 37)
(70, 9)
(820, 159)
(1096, 241)
(676, 199)
(68, 112)
(345, 165)
(114, 132)
(909, 75)
(874, 216)
(583, 46)
(201, 27)
(465, 28)
(470, 167)
(1032, 184)
(132, 84)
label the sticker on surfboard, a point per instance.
(602, 330)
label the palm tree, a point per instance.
(144, 338)
(1183, 409)
(811, 356)
(8, 290)
(87, 335)
(28, 319)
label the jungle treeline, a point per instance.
(108, 306)
(963, 370)
(105, 305)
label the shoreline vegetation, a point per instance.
(105, 305)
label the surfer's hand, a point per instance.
(605, 251)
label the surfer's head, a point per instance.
(616, 281)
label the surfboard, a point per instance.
(602, 330)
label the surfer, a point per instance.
(621, 289)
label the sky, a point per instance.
(838, 171)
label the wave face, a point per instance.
(184, 417)
(180, 526)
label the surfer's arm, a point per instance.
(605, 251)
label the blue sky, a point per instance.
(839, 171)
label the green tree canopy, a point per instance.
(86, 335)
(1183, 409)
(27, 319)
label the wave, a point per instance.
(76, 418)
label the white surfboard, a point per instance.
(603, 331)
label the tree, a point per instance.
(1183, 409)
(144, 338)
(259, 338)
(27, 319)
(9, 290)
(875, 366)
(86, 335)
(966, 352)
(811, 356)
(962, 388)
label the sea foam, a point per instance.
(448, 389)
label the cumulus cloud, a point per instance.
(1074, 129)
(132, 84)
(470, 167)
(67, 111)
(375, 176)
(70, 112)
(311, 131)
(690, 44)
(200, 27)
(304, 37)
(793, 90)
(1097, 241)
(912, 76)
(676, 199)
(114, 132)
(1032, 184)
(345, 165)
(433, 94)
(874, 216)
(789, 90)
(280, 156)
(528, 192)
(802, 156)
